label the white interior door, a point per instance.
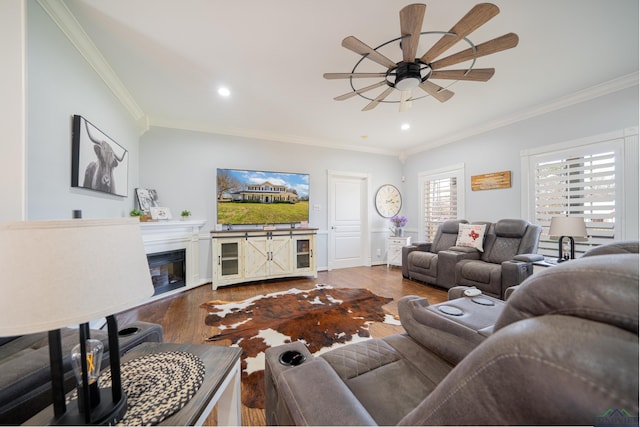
(348, 220)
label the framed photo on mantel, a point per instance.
(147, 199)
(160, 213)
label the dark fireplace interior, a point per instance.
(167, 270)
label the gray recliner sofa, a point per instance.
(509, 252)
(563, 350)
(421, 261)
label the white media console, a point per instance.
(249, 255)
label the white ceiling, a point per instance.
(172, 55)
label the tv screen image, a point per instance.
(261, 197)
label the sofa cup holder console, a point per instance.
(291, 358)
(128, 331)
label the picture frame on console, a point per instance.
(97, 162)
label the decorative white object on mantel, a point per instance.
(172, 235)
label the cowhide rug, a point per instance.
(323, 318)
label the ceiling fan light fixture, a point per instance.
(407, 76)
(407, 83)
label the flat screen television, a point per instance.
(251, 197)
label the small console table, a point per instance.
(221, 385)
(394, 250)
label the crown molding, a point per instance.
(266, 136)
(69, 25)
(588, 94)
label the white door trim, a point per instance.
(365, 212)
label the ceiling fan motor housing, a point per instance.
(407, 76)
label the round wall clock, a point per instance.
(388, 201)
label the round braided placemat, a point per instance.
(157, 385)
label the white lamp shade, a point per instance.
(61, 273)
(567, 226)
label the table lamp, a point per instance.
(68, 272)
(567, 227)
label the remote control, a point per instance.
(473, 292)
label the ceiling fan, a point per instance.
(412, 72)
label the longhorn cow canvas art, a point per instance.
(98, 162)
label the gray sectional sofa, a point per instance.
(562, 350)
(503, 258)
(25, 377)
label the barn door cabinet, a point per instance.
(244, 256)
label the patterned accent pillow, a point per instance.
(471, 236)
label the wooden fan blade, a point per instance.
(405, 104)
(356, 92)
(360, 48)
(476, 75)
(411, 18)
(439, 93)
(476, 17)
(382, 96)
(499, 44)
(330, 76)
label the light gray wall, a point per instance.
(13, 24)
(61, 84)
(181, 166)
(499, 150)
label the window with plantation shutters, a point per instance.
(440, 197)
(583, 186)
(594, 179)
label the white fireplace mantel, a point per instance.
(168, 235)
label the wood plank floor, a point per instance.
(182, 318)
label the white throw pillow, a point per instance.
(471, 235)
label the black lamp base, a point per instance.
(105, 413)
(562, 257)
(113, 401)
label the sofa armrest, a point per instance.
(314, 394)
(514, 273)
(450, 337)
(528, 257)
(422, 246)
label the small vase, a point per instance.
(399, 232)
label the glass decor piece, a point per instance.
(93, 360)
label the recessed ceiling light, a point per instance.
(405, 126)
(223, 91)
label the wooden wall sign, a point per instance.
(491, 181)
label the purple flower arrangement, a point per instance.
(399, 221)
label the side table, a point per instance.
(221, 385)
(394, 249)
(545, 263)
